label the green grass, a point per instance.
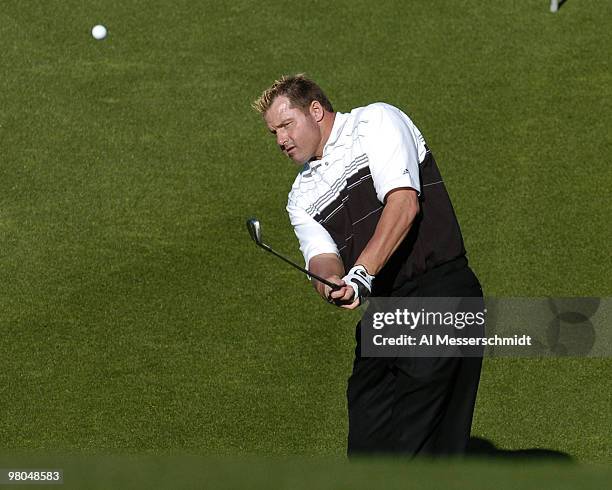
(137, 316)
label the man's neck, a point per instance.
(327, 125)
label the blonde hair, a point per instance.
(300, 90)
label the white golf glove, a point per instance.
(361, 282)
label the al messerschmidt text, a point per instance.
(430, 339)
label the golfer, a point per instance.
(371, 213)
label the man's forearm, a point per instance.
(400, 210)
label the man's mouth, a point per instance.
(289, 150)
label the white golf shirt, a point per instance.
(371, 151)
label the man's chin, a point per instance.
(297, 161)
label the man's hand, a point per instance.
(330, 267)
(356, 286)
(360, 281)
(344, 296)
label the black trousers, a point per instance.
(416, 405)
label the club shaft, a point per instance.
(335, 287)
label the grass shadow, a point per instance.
(478, 447)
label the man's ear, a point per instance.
(316, 110)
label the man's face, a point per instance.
(297, 133)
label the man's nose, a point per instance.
(281, 137)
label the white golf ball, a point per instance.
(98, 32)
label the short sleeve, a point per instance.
(391, 142)
(313, 237)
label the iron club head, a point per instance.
(254, 230)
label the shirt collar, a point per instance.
(336, 131)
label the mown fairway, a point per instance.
(138, 317)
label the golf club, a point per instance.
(255, 231)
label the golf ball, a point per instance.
(98, 32)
